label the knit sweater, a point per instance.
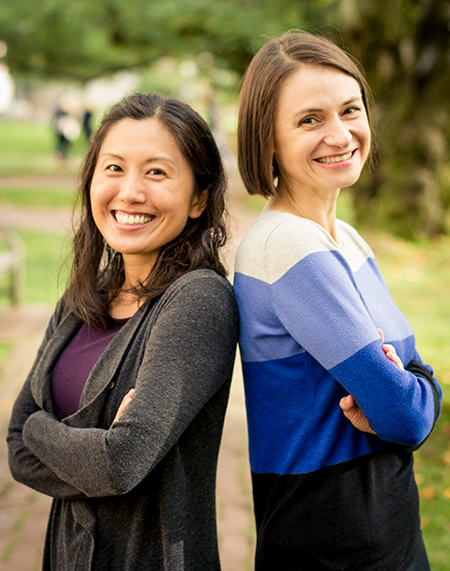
(328, 496)
(138, 493)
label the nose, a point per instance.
(337, 133)
(132, 189)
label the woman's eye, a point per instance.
(156, 172)
(351, 110)
(308, 121)
(114, 168)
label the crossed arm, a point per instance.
(348, 404)
(199, 329)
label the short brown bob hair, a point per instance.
(97, 274)
(259, 96)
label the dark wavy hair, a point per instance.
(97, 273)
(260, 92)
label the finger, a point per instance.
(380, 331)
(391, 354)
(125, 402)
(395, 359)
(347, 403)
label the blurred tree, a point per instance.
(85, 39)
(404, 46)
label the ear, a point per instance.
(199, 201)
(275, 169)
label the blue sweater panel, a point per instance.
(309, 313)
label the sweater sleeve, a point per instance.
(190, 354)
(315, 296)
(25, 466)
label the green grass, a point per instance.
(44, 275)
(418, 277)
(27, 147)
(25, 138)
(45, 278)
(432, 468)
(40, 197)
(5, 350)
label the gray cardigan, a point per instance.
(138, 494)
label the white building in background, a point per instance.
(6, 89)
(6, 83)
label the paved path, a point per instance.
(23, 512)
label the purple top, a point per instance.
(75, 363)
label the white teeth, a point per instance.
(339, 159)
(132, 220)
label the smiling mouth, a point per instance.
(335, 159)
(132, 220)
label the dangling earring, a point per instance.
(275, 172)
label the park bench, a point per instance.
(11, 255)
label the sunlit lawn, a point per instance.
(44, 275)
(40, 197)
(26, 147)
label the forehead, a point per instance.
(317, 86)
(140, 135)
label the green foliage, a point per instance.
(87, 39)
(404, 46)
(404, 56)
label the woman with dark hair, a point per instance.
(120, 419)
(333, 415)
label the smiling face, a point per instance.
(322, 135)
(142, 192)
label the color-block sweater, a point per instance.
(326, 495)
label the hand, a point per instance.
(355, 415)
(390, 352)
(350, 407)
(123, 405)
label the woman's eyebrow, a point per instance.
(319, 109)
(149, 160)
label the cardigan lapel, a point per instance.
(103, 371)
(109, 363)
(41, 376)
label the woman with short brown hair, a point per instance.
(333, 415)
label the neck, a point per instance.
(125, 305)
(137, 268)
(317, 207)
(137, 271)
